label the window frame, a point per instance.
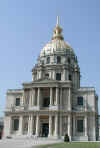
(57, 60)
(80, 100)
(15, 128)
(80, 125)
(70, 77)
(58, 73)
(17, 103)
(48, 60)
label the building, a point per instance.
(1, 127)
(53, 103)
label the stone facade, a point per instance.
(53, 104)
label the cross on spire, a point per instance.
(58, 20)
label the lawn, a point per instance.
(72, 145)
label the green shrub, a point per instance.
(66, 138)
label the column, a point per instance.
(51, 96)
(86, 129)
(37, 125)
(33, 96)
(21, 125)
(22, 102)
(56, 125)
(69, 126)
(57, 96)
(60, 99)
(31, 125)
(10, 125)
(69, 100)
(64, 74)
(29, 119)
(50, 125)
(30, 98)
(61, 125)
(38, 97)
(74, 127)
(85, 103)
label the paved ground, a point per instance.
(25, 142)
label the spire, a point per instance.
(57, 21)
(57, 31)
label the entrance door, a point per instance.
(45, 129)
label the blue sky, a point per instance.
(27, 25)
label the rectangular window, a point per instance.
(79, 125)
(80, 100)
(16, 124)
(70, 77)
(48, 60)
(58, 76)
(58, 59)
(17, 101)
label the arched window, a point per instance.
(48, 60)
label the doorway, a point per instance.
(45, 129)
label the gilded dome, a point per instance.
(57, 44)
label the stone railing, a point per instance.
(78, 108)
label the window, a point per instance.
(46, 102)
(16, 124)
(68, 60)
(17, 101)
(80, 125)
(55, 59)
(58, 59)
(47, 75)
(58, 76)
(70, 77)
(48, 60)
(80, 100)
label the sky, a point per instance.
(27, 25)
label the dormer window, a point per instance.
(17, 101)
(48, 60)
(58, 59)
(80, 100)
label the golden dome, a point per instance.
(57, 44)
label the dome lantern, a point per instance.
(57, 31)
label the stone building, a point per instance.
(53, 103)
